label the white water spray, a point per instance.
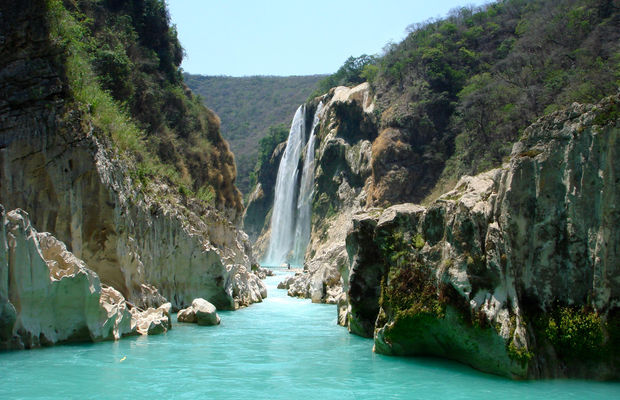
(283, 215)
(292, 205)
(306, 190)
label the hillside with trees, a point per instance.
(248, 107)
(461, 89)
(123, 68)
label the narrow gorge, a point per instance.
(440, 221)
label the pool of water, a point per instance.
(283, 348)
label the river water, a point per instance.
(283, 348)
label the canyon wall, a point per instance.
(145, 239)
(513, 272)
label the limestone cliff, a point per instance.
(49, 296)
(46, 294)
(145, 238)
(515, 271)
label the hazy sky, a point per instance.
(292, 37)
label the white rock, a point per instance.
(149, 322)
(54, 297)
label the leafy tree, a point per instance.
(354, 71)
(275, 135)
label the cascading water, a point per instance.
(304, 200)
(290, 218)
(283, 215)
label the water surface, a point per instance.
(283, 348)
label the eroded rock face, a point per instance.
(152, 245)
(511, 270)
(47, 295)
(244, 287)
(150, 321)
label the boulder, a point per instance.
(187, 315)
(150, 321)
(205, 312)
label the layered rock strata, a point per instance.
(515, 271)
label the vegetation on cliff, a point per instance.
(460, 90)
(512, 271)
(122, 61)
(249, 107)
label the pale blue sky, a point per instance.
(292, 37)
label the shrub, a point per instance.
(575, 332)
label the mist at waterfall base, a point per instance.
(283, 348)
(291, 215)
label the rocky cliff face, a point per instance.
(47, 295)
(515, 271)
(150, 244)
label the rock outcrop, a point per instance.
(150, 321)
(514, 272)
(142, 238)
(48, 295)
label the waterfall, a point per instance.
(283, 213)
(304, 200)
(290, 217)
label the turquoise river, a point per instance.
(283, 348)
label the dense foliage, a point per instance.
(463, 88)
(248, 107)
(122, 61)
(354, 71)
